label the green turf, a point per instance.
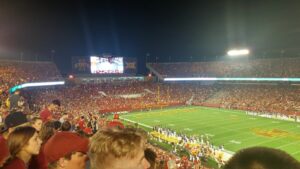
(233, 129)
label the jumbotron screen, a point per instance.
(106, 65)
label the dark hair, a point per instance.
(47, 131)
(66, 126)
(57, 125)
(56, 102)
(262, 158)
(150, 156)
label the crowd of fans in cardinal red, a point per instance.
(83, 108)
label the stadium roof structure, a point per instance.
(233, 79)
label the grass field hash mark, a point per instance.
(188, 129)
(235, 142)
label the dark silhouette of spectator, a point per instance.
(66, 126)
(262, 158)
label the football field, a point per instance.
(231, 128)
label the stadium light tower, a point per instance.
(238, 52)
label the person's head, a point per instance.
(11, 122)
(66, 150)
(262, 158)
(57, 125)
(55, 104)
(47, 131)
(150, 155)
(14, 120)
(23, 141)
(36, 123)
(65, 115)
(118, 149)
(17, 92)
(66, 126)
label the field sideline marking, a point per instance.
(145, 125)
(142, 124)
(227, 125)
(297, 152)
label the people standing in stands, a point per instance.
(47, 113)
(23, 142)
(116, 122)
(64, 118)
(81, 123)
(16, 101)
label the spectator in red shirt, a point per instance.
(116, 122)
(81, 123)
(23, 142)
(47, 113)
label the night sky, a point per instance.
(162, 28)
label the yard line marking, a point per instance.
(211, 135)
(297, 152)
(294, 142)
(188, 129)
(235, 142)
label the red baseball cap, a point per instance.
(64, 143)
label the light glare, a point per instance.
(238, 52)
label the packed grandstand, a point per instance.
(87, 106)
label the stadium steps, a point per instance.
(217, 97)
(154, 71)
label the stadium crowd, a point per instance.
(278, 67)
(258, 98)
(148, 95)
(64, 127)
(18, 72)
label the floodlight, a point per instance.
(240, 52)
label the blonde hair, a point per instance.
(110, 144)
